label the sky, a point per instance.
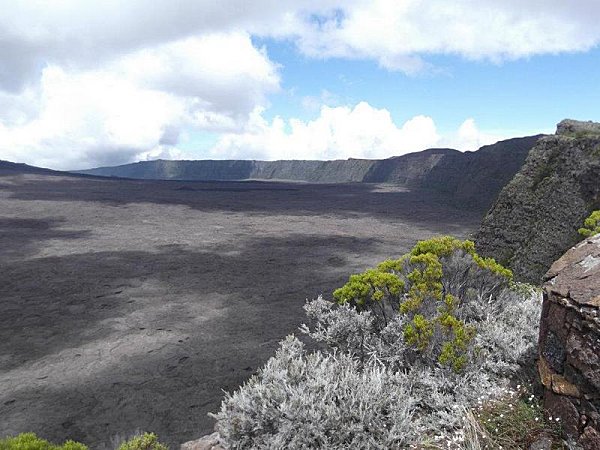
(87, 83)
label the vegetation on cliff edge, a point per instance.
(591, 225)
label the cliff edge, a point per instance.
(536, 216)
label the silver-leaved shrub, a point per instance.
(316, 400)
(367, 388)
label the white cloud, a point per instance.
(344, 132)
(470, 137)
(337, 133)
(135, 107)
(401, 34)
(85, 83)
(87, 34)
(224, 71)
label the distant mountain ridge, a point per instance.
(471, 179)
(10, 167)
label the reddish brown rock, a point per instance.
(576, 274)
(559, 406)
(569, 342)
(584, 354)
(561, 386)
(590, 439)
(545, 372)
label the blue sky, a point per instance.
(86, 83)
(528, 95)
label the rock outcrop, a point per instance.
(536, 216)
(470, 179)
(208, 442)
(569, 342)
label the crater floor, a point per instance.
(130, 305)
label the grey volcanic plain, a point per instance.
(130, 305)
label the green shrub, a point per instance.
(29, 441)
(146, 441)
(591, 225)
(431, 286)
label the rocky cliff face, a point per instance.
(470, 179)
(337, 171)
(569, 361)
(536, 216)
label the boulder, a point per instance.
(208, 442)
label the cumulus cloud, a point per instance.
(470, 137)
(339, 132)
(396, 33)
(86, 83)
(136, 106)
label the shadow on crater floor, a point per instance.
(97, 344)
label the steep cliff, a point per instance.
(474, 179)
(337, 171)
(470, 179)
(536, 216)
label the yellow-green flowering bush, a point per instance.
(432, 286)
(146, 441)
(591, 225)
(29, 441)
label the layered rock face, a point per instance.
(569, 342)
(537, 214)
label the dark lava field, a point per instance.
(130, 305)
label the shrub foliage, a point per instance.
(591, 225)
(300, 400)
(406, 346)
(433, 286)
(145, 441)
(29, 441)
